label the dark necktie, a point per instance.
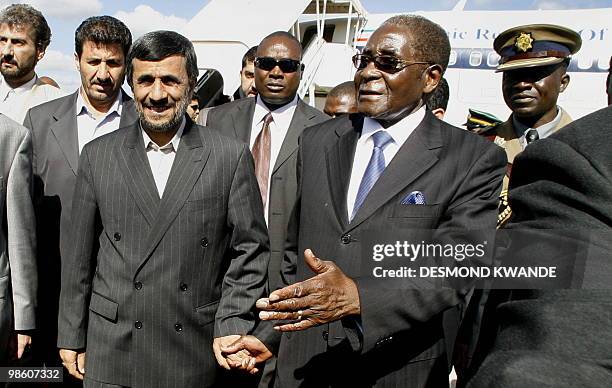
(375, 168)
(531, 135)
(261, 155)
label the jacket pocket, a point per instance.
(415, 211)
(104, 307)
(206, 313)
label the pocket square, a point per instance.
(414, 198)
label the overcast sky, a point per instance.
(142, 16)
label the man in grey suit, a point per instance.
(60, 129)
(17, 239)
(277, 78)
(183, 243)
(391, 169)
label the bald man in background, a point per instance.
(341, 100)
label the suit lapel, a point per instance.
(299, 121)
(128, 111)
(414, 157)
(340, 162)
(65, 131)
(134, 164)
(243, 119)
(189, 162)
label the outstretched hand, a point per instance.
(328, 296)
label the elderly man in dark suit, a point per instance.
(17, 240)
(183, 243)
(392, 168)
(60, 129)
(556, 337)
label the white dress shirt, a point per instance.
(162, 158)
(91, 126)
(281, 119)
(365, 145)
(15, 103)
(543, 130)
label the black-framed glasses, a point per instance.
(286, 65)
(386, 63)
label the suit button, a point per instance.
(178, 327)
(183, 287)
(138, 285)
(345, 239)
(325, 335)
(204, 242)
(117, 236)
(138, 325)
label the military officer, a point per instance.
(534, 61)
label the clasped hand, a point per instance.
(328, 296)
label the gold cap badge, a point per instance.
(523, 41)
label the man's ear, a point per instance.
(565, 80)
(433, 75)
(76, 62)
(39, 54)
(439, 113)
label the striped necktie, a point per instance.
(376, 166)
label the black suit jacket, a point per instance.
(235, 119)
(562, 337)
(56, 153)
(401, 341)
(172, 272)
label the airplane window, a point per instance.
(453, 58)
(584, 63)
(492, 59)
(475, 58)
(603, 63)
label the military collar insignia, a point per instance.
(523, 42)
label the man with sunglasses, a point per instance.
(271, 124)
(389, 169)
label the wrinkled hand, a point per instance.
(250, 351)
(74, 361)
(328, 296)
(23, 341)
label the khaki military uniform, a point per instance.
(505, 136)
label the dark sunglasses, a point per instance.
(386, 63)
(286, 65)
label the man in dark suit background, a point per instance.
(60, 129)
(277, 78)
(183, 243)
(347, 331)
(556, 337)
(244, 120)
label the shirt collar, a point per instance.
(82, 107)
(176, 139)
(398, 131)
(5, 88)
(543, 130)
(281, 116)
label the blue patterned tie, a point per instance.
(375, 168)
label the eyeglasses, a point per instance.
(286, 65)
(386, 63)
